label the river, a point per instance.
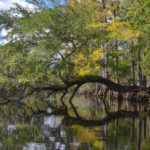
(56, 132)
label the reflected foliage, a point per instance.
(118, 130)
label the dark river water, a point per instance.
(127, 132)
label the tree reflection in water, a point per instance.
(119, 130)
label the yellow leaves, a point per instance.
(86, 70)
(3, 79)
(81, 64)
(88, 64)
(23, 80)
(116, 25)
(121, 30)
(116, 29)
(80, 58)
(96, 55)
(85, 2)
(90, 5)
(129, 34)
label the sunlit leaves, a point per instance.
(121, 30)
(88, 64)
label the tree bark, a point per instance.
(106, 75)
(116, 63)
(133, 73)
(139, 69)
(80, 80)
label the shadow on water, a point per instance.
(105, 125)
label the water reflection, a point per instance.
(52, 121)
(118, 130)
(119, 134)
(34, 146)
(11, 128)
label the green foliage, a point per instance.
(48, 44)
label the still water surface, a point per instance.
(56, 133)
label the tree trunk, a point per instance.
(106, 52)
(139, 69)
(144, 77)
(116, 59)
(133, 73)
(106, 75)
